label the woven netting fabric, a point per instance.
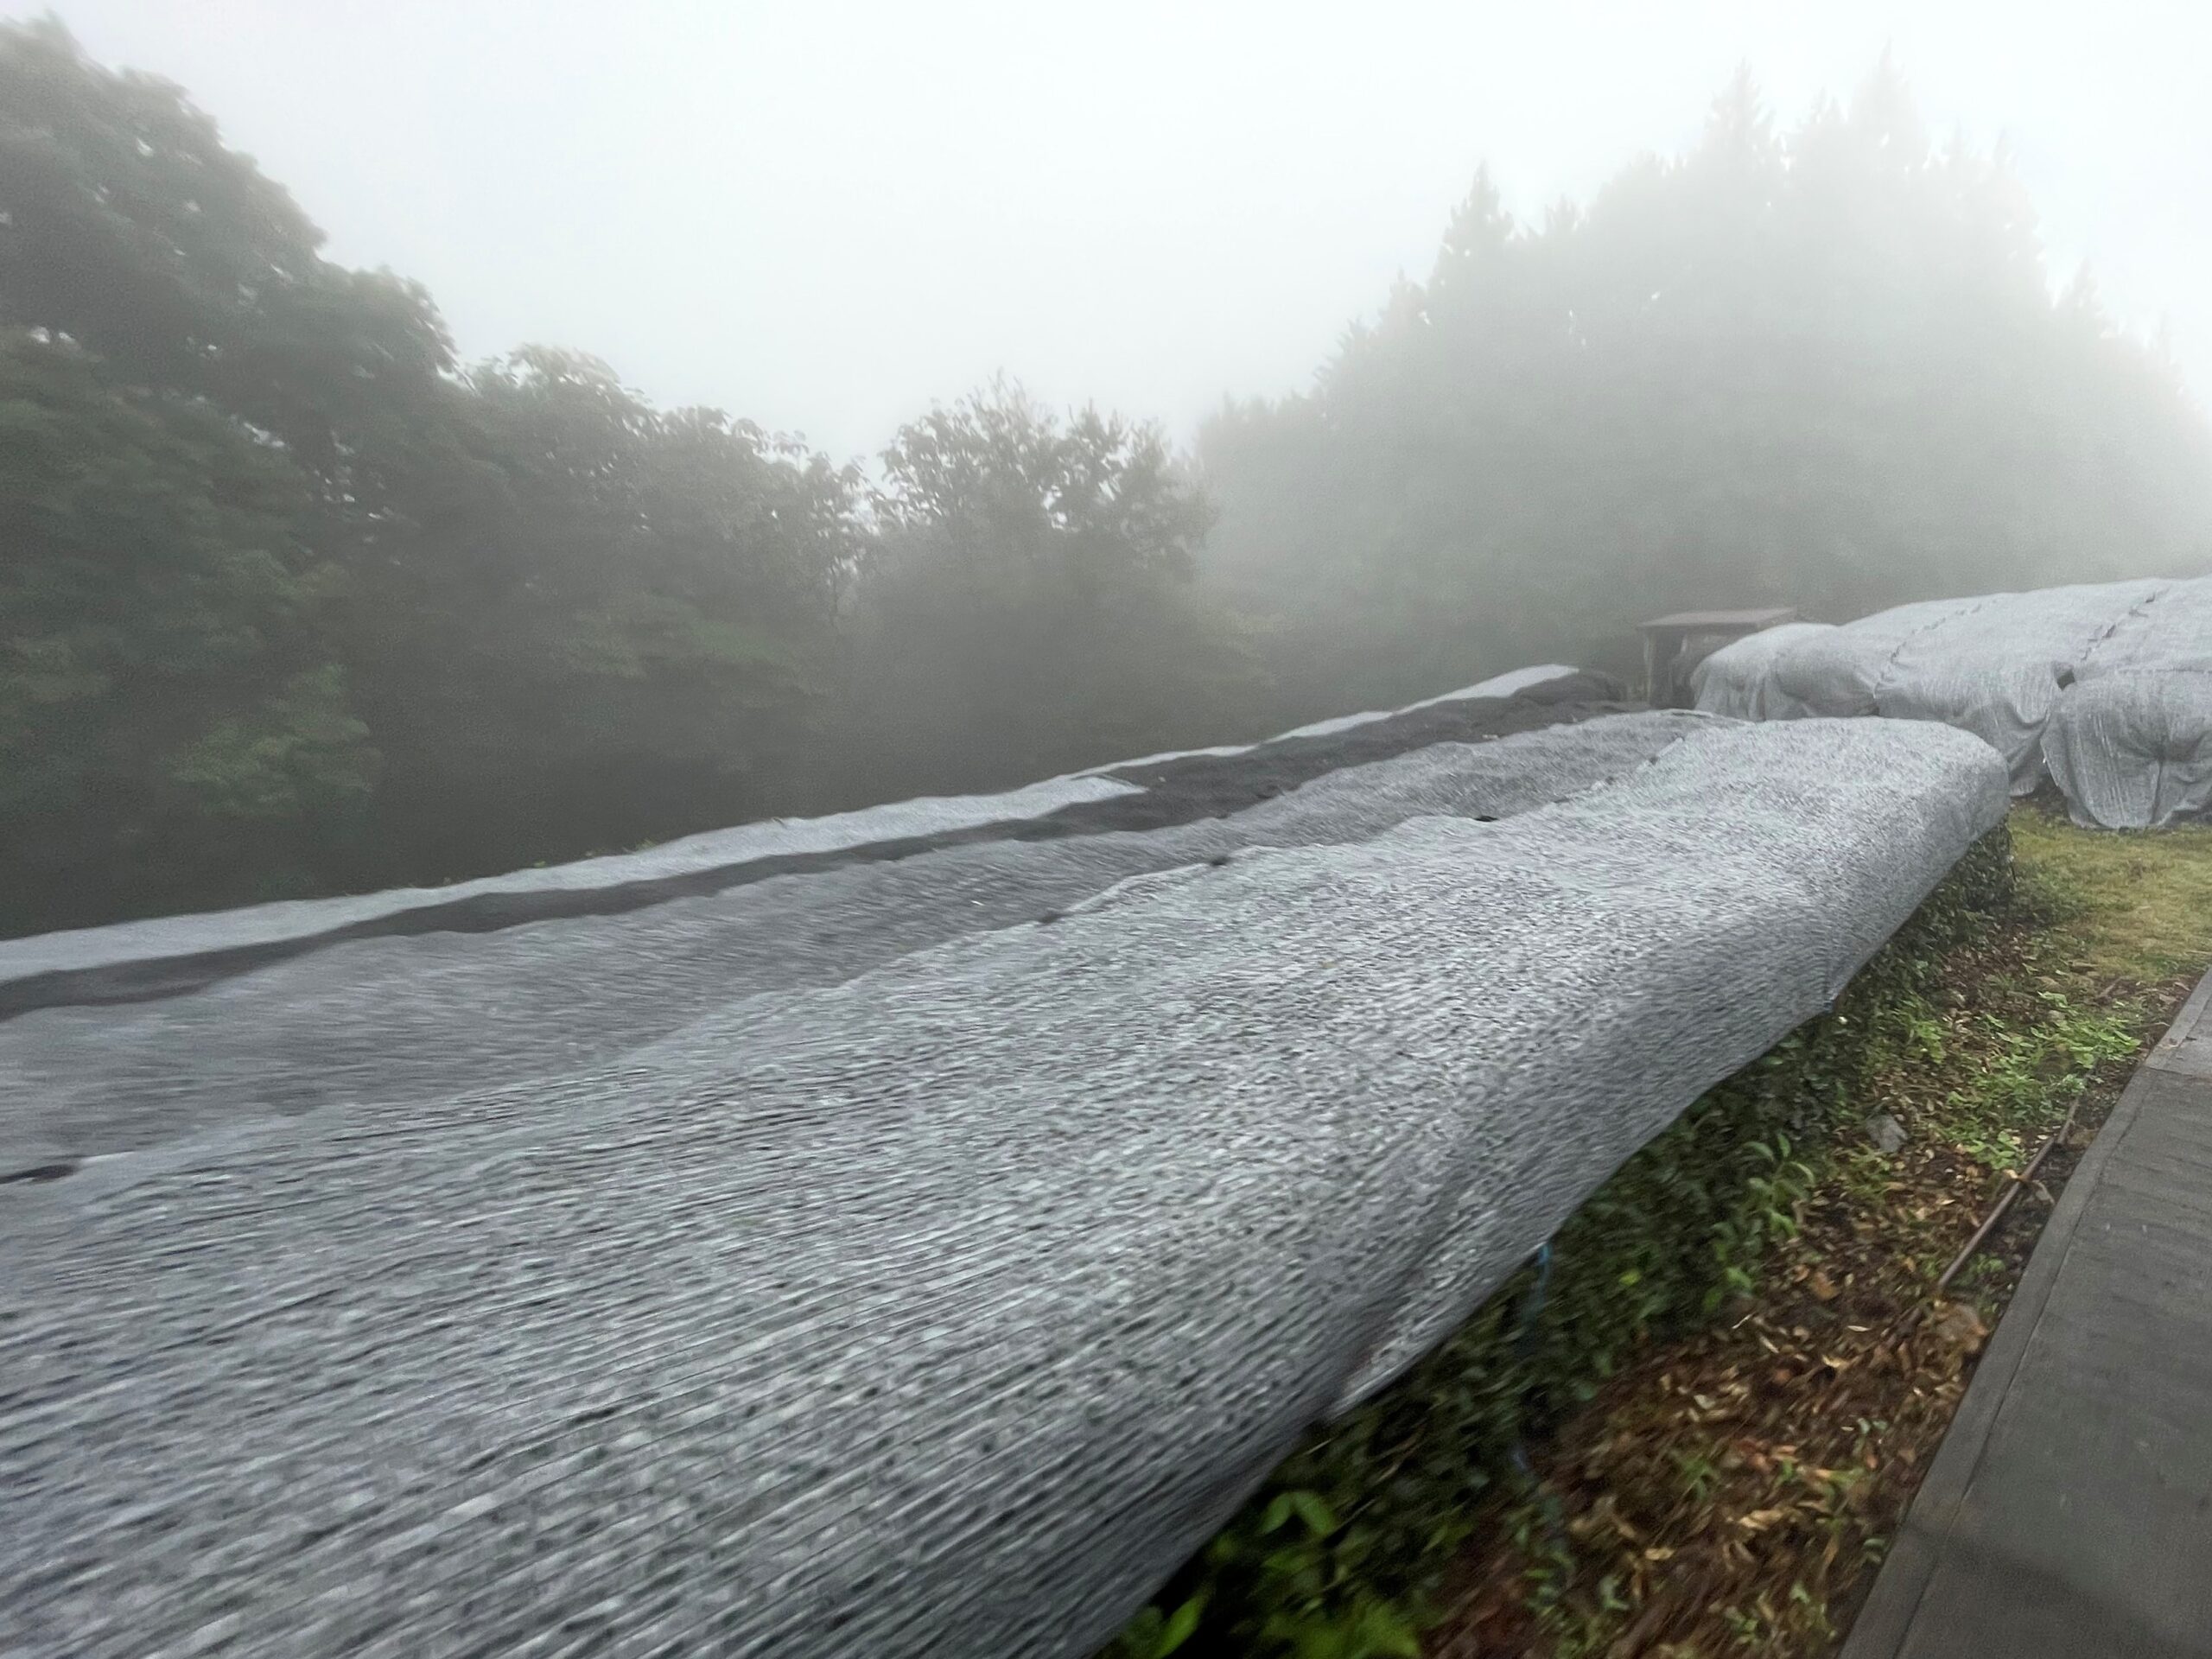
(374, 1020)
(942, 1309)
(1841, 671)
(1998, 666)
(2017, 670)
(134, 951)
(181, 935)
(2130, 743)
(1737, 681)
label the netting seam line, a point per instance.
(2141, 607)
(1882, 679)
(1635, 767)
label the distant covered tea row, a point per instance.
(2106, 690)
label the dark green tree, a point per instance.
(273, 562)
(1823, 368)
(168, 714)
(1027, 603)
(128, 225)
(623, 628)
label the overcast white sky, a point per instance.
(823, 215)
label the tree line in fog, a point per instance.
(292, 601)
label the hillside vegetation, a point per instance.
(296, 602)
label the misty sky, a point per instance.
(823, 216)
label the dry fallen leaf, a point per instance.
(1961, 1326)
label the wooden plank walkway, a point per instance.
(2068, 1514)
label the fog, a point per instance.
(389, 495)
(825, 216)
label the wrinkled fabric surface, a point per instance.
(2131, 742)
(2133, 751)
(1998, 666)
(374, 1020)
(181, 936)
(131, 960)
(941, 1302)
(1737, 679)
(2016, 669)
(1841, 671)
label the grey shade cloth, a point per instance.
(374, 1020)
(184, 935)
(2169, 631)
(1998, 666)
(2133, 751)
(1504, 685)
(941, 1310)
(2130, 743)
(2101, 687)
(1842, 671)
(1500, 685)
(1737, 679)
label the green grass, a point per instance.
(2136, 907)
